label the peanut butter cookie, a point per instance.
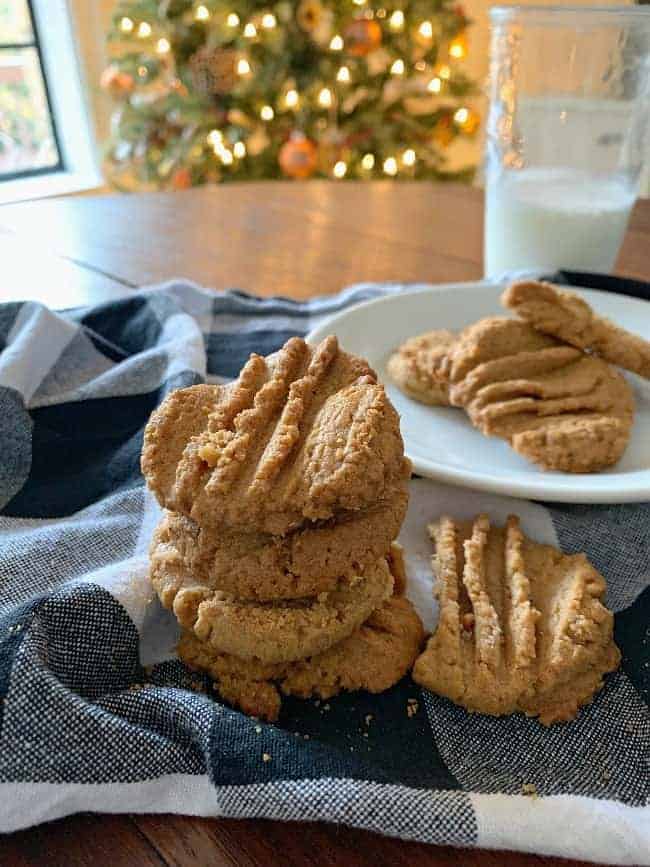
(305, 562)
(556, 406)
(302, 435)
(522, 627)
(374, 657)
(279, 631)
(420, 367)
(567, 316)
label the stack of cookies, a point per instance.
(283, 492)
(545, 382)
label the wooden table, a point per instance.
(290, 239)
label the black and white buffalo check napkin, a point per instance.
(96, 713)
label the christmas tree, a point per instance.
(213, 90)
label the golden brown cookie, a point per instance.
(302, 435)
(556, 406)
(522, 627)
(420, 367)
(567, 316)
(278, 631)
(377, 655)
(305, 562)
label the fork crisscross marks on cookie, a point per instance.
(555, 405)
(521, 625)
(568, 317)
(310, 426)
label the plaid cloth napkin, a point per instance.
(96, 713)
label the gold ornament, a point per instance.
(214, 70)
(118, 84)
(309, 15)
(298, 157)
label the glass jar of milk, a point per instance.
(568, 132)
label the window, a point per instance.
(46, 144)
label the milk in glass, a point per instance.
(544, 218)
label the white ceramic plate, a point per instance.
(441, 442)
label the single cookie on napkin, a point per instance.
(522, 626)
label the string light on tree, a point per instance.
(208, 90)
(467, 119)
(390, 166)
(457, 49)
(396, 20)
(325, 98)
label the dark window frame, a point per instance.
(35, 43)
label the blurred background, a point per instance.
(168, 94)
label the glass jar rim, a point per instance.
(560, 14)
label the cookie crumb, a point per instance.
(529, 789)
(412, 706)
(266, 757)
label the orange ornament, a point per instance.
(443, 132)
(181, 179)
(117, 83)
(361, 37)
(298, 157)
